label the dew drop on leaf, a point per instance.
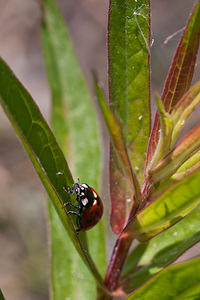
(59, 173)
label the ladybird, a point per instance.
(89, 208)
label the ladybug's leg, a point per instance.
(79, 224)
(78, 219)
(74, 213)
(79, 207)
(75, 188)
(70, 204)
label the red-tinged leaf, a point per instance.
(188, 146)
(119, 191)
(184, 108)
(180, 74)
(121, 169)
(173, 205)
(128, 40)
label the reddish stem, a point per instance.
(117, 260)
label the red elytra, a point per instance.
(89, 208)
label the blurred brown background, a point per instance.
(23, 241)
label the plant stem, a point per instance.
(117, 260)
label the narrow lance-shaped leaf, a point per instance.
(42, 148)
(180, 74)
(178, 201)
(118, 214)
(149, 258)
(128, 36)
(72, 113)
(176, 282)
(189, 145)
(128, 42)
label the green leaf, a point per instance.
(176, 283)
(128, 39)
(42, 148)
(180, 73)
(178, 201)
(72, 114)
(189, 145)
(151, 257)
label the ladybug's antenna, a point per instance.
(78, 179)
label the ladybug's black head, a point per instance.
(84, 188)
(88, 196)
(76, 188)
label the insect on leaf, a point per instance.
(42, 148)
(79, 137)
